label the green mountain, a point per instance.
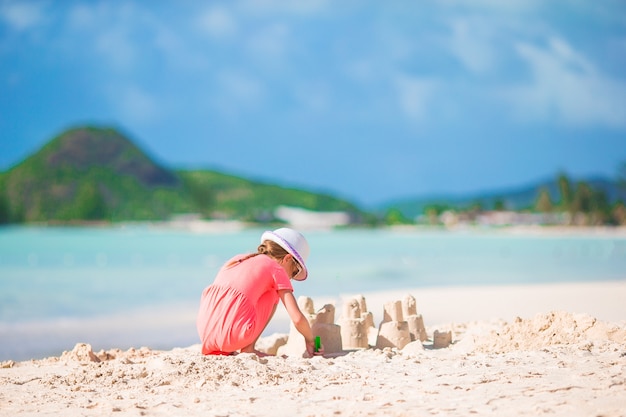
(90, 174)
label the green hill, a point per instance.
(93, 174)
(226, 196)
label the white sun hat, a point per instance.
(294, 243)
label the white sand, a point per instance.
(603, 300)
(564, 356)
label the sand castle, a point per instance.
(400, 326)
(357, 325)
(322, 325)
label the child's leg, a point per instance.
(265, 312)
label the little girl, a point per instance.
(237, 307)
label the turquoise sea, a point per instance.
(134, 285)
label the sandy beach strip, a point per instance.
(604, 300)
(557, 349)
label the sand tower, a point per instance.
(353, 325)
(417, 330)
(442, 339)
(327, 330)
(368, 317)
(393, 331)
(357, 325)
(322, 325)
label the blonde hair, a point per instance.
(269, 248)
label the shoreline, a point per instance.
(235, 226)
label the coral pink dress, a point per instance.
(235, 309)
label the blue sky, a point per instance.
(368, 100)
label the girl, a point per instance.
(237, 307)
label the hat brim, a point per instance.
(304, 272)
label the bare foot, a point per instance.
(261, 354)
(256, 352)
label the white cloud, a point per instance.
(363, 69)
(564, 53)
(471, 43)
(567, 88)
(177, 52)
(314, 96)
(270, 44)
(100, 16)
(241, 86)
(415, 95)
(273, 7)
(81, 16)
(236, 92)
(218, 22)
(21, 16)
(137, 105)
(116, 48)
(497, 6)
(109, 31)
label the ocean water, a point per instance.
(132, 285)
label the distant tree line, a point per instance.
(583, 204)
(5, 214)
(580, 202)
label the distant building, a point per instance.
(193, 222)
(308, 219)
(452, 219)
(513, 218)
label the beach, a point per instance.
(545, 349)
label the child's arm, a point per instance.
(298, 319)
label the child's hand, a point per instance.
(310, 349)
(320, 351)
